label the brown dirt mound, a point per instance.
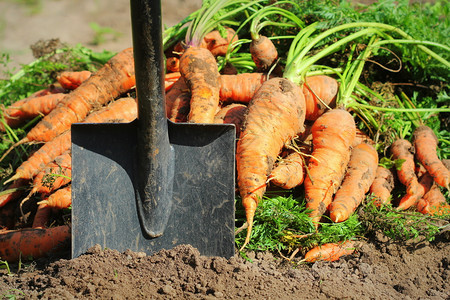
(380, 269)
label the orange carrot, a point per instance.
(180, 108)
(72, 79)
(199, 69)
(240, 87)
(275, 116)
(60, 199)
(113, 79)
(173, 64)
(42, 216)
(124, 109)
(170, 80)
(55, 174)
(177, 92)
(382, 185)
(333, 134)
(425, 144)
(218, 45)
(40, 106)
(264, 53)
(14, 115)
(356, 183)
(320, 95)
(32, 243)
(411, 199)
(232, 114)
(403, 150)
(289, 173)
(433, 198)
(330, 251)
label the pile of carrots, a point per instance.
(288, 134)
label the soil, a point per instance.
(379, 269)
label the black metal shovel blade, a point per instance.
(104, 207)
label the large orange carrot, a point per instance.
(113, 79)
(72, 79)
(358, 178)
(333, 134)
(124, 109)
(199, 69)
(32, 243)
(320, 95)
(330, 251)
(425, 144)
(60, 199)
(232, 114)
(382, 185)
(275, 116)
(240, 87)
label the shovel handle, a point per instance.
(154, 169)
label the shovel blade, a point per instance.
(104, 209)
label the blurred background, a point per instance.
(96, 24)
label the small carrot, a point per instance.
(330, 251)
(320, 95)
(333, 134)
(42, 216)
(173, 64)
(358, 178)
(178, 91)
(72, 79)
(124, 109)
(382, 185)
(289, 172)
(402, 149)
(275, 116)
(32, 243)
(432, 199)
(411, 199)
(60, 199)
(170, 80)
(240, 87)
(232, 114)
(180, 108)
(218, 45)
(55, 174)
(425, 144)
(264, 53)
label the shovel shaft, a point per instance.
(154, 167)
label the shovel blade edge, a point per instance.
(104, 209)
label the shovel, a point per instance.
(152, 184)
